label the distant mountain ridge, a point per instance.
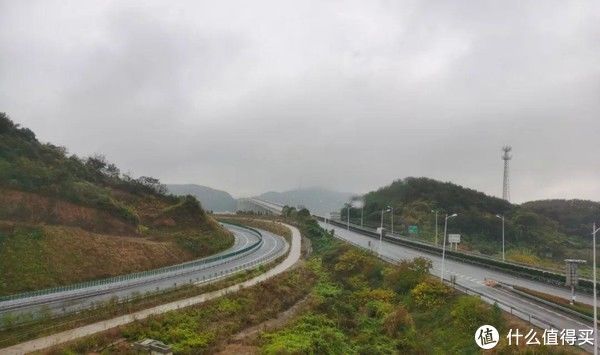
(316, 199)
(211, 199)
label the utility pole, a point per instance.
(506, 181)
(348, 217)
(594, 231)
(436, 226)
(502, 217)
(444, 244)
(387, 209)
(362, 210)
(392, 214)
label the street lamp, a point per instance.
(392, 215)
(436, 225)
(348, 216)
(444, 243)
(594, 231)
(362, 210)
(387, 209)
(502, 218)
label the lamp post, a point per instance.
(444, 244)
(436, 226)
(387, 209)
(392, 215)
(594, 231)
(502, 218)
(362, 209)
(348, 216)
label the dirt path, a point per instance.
(73, 334)
(241, 342)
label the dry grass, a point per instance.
(35, 208)
(37, 256)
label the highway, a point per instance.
(472, 277)
(272, 247)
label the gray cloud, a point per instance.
(346, 95)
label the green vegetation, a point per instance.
(535, 234)
(574, 217)
(199, 329)
(64, 219)
(356, 304)
(363, 305)
(28, 165)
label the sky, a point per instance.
(349, 95)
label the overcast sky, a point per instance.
(350, 95)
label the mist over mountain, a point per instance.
(317, 200)
(211, 199)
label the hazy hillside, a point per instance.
(66, 219)
(211, 199)
(317, 200)
(529, 235)
(574, 216)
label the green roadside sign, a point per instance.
(413, 229)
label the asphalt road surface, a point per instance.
(473, 276)
(272, 247)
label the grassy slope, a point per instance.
(64, 219)
(39, 255)
(34, 257)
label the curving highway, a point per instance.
(271, 247)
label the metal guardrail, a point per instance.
(526, 271)
(139, 275)
(532, 319)
(215, 276)
(553, 305)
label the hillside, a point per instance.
(530, 236)
(573, 216)
(211, 199)
(66, 219)
(317, 200)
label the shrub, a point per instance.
(398, 321)
(407, 274)
(430, 293)
(469, 313)
(312, 334)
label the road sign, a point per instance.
(413, 229)
(454, 238)
(572, 279)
